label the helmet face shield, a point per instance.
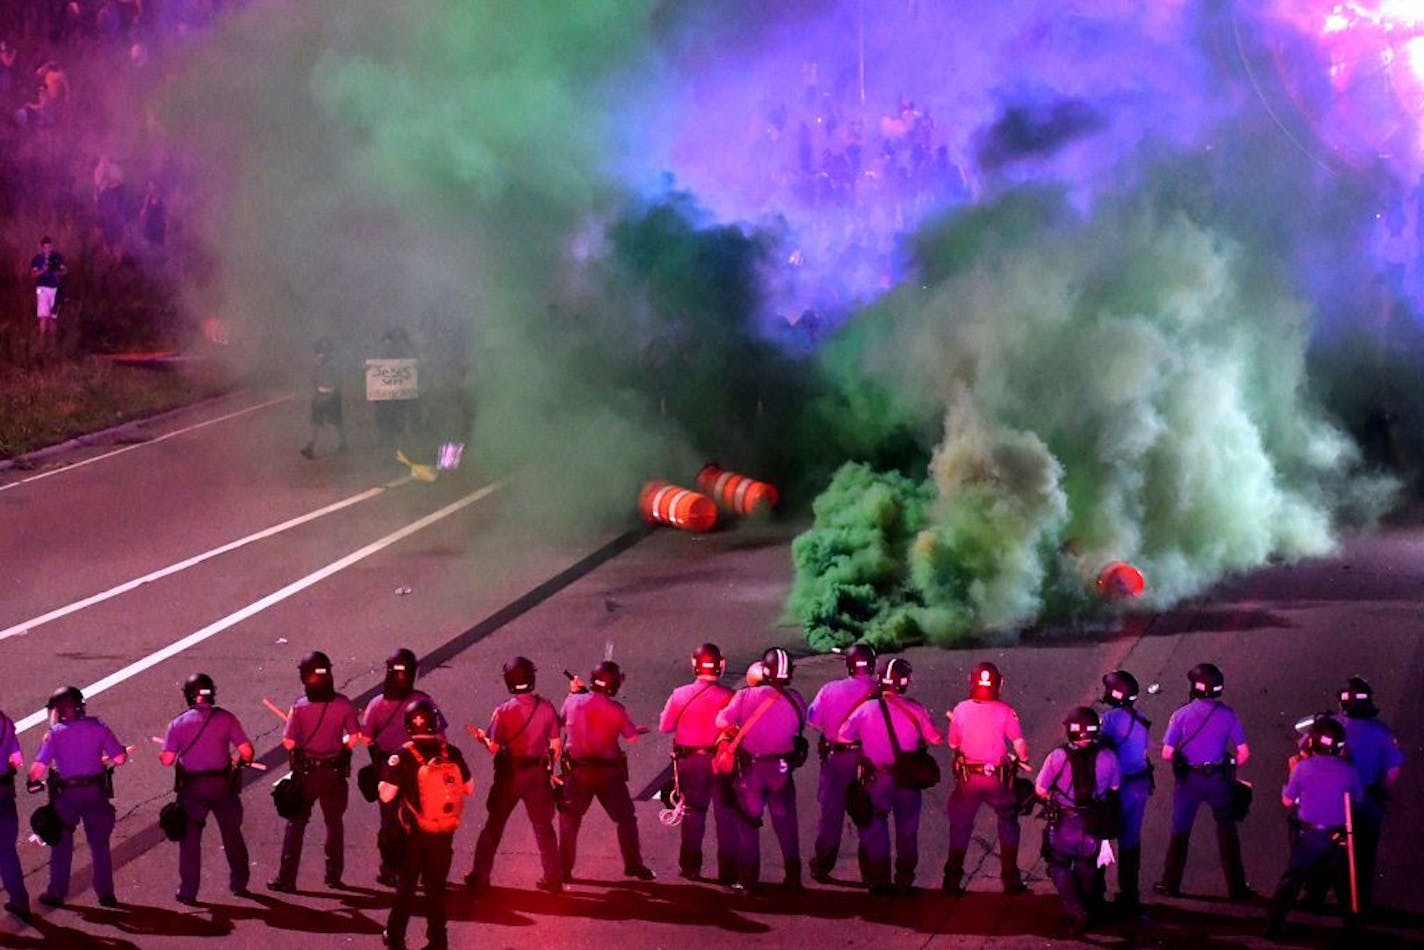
(985, 682)
(519, 675)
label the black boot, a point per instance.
(793, 877)
(954, 872)
(1228, 842)
(1009, 869)
(1174, 866)
(1129, 870)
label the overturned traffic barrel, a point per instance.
(1120, 581)
(736, 493)
(663, 503)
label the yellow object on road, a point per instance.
(419, 472)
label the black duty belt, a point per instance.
(598, 763)
(311, 764)
(683, 751)
(1333, 829)
(82, 780)
(527, 761)
(982, 768)
(844, 746)
(1207, 768)
(1141, 774)
(772, 755)
(205, 773)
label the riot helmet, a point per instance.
(707, 660)
(606, 678)
(1357, 699)
(421, 719)
(66, 703)
(317, 679)
(199, 688)
(894, 673)
(776, 666)
(400, 674)
(1120, 688)
(1206, 681)
(860, 659)
(985, 681)
(519, 675)
(1081, 725)
(1327, 736)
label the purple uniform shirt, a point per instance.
(984, 730)
(594, 722)
(74, 748)
(319, 729)
(834, 702)
(1318, 784)
(1205, 731)
(203, 737)
(1056, 776)
(9, 743)
(524, 725)
(383, 721)
(1372, 748)
(913, 729)
(774, 731)
(690, 713)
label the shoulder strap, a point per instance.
(316, 728)
(890, 726)
(1200, 726)
(800, 716)
(196, 736)
(706, 688)
(752, 719)
(538, 701)
(414, 753)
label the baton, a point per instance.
(479, 735)
(1350, 855)
(276, 710)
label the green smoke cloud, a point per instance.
(1131, 386)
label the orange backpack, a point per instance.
(440, 791)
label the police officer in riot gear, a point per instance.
(199, 745)
(383, 728)
(771, 749)
(988, 744)
(1127, 732)
(690, 715)
(12, 761)
(524, 739)
(598, 768)
(321, 732)
(79, 754)
(1076, 783)
(883, 728)
(840, 761)
(1316, 792)
(1375, 752)
(1204, 745)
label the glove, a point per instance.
(1105, 854)
(34, 785)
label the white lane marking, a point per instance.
(257, 606)
(25, 626)
(138, 445)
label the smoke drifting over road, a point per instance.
(1074, 256)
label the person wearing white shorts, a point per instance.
(47, 268)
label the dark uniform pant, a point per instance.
(425, 860)
(1071, 855)
(511, 785)
(838, 771)
(11, 874)
(1315, 852)
(963, 805)
(1368, 825)
(199, 797)
(1212, 788)
(606, 783)
(1133, 797)
(766, 785)
(703, 789)
(325, 786)
(887, 799)
(90, 805)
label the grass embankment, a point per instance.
(40, 407)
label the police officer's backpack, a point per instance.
(440, 791)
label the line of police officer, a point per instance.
(735, 753)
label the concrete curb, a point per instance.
(89, 438)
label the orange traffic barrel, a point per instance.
(736, 493)
(662, 503)
(1120, 581)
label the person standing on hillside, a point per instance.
(47, 268)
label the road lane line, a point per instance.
(25, 626)
(138, 445)
(257, 606)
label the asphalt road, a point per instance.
(203, 541)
